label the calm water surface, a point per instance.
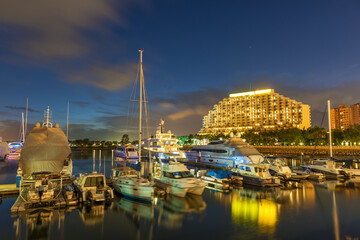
(329, 210)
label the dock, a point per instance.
(8, 190)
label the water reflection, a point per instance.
(93, 214)
(38, 223)
(172, 210)
(136, 209)
(327, 210)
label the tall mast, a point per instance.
(67, 121)
(141, 100)
(26, 115)
(23, 128)
(330, 139)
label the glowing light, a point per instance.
(251, 93)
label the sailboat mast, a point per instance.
(26, 115)
(141, 101)
(23, 127)
(67, 121)
(330, 139)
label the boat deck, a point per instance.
(60, 201)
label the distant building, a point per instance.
(355, 114)
(257, 110)
(344, 117)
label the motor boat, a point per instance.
(91, 188)
(128, 182)
(219, 179)
(256, 174)
(127, 152)
(177, 180)
(225, 153)
(328, 168)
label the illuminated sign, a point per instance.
(251, 93)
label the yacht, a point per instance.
(256, 174)
(127, 152)
(278, 167)
(177, 180)
(15, 150)
(219, 180)
(225, 153)
(127, 181)
(350, 167)
(163, 145)
(328, 168)
(44, 164)
(92, 188)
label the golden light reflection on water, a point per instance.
(262, 212)
(261, 209)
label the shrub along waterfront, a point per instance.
(315, 136)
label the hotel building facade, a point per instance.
(256, 110)
(344, 117)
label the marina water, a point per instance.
(312, 210)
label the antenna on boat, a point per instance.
(47, 118)
(330, 139)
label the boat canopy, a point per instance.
(246, 150)
(45, 150)
(220, 174)
(136, 167)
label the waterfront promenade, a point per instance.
(292, 151)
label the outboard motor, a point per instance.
(41, 191)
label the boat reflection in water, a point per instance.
(137, 209)
(38, 223)
(93, 214)
(172, 210)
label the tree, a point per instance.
(125, 139)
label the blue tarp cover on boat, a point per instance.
(219, 174)
(137, 166)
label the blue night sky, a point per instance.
(195, 54)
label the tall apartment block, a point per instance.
(257, 110)
(344, 117)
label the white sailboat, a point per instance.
(129, 182)
(328, 167)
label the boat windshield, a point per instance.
(94, 182)
(177, 175)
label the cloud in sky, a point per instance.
(80, 103)
(56, 28)
(21, 108)
(108, 77)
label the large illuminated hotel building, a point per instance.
(256, 110)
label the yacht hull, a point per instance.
(138, 192)
(176, 191)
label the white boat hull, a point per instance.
(176, 191)
(134, 191)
